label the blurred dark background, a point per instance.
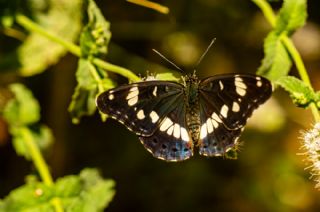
(269, 174)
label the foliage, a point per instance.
(84, 192)
(279, 53)
(277, 62)
(301, 94)
(36, 52)
(23, 112)
(91, 79)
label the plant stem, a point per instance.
(33, 27)
(151, 5)
(74, 49)
(302, 71)
(270, 16)
(37, 157)
(39, 163)
(116, 69)
(267, 11)
(96, 77)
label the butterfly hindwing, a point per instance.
(215, 139)
(171, 141)
(234, 97)
(140, 106)
(226, 102)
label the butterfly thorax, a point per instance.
(191, 92)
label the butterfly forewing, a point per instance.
(226, 102)
(233, 97)
(140, 106)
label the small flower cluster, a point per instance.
(311, 143)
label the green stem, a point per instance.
(74, 49)
(116, 69)
(267, 11)
(270, 16)
(37, 157)
(39, 163)
(96, 77)
(302, 71)
(33, 27)
(297, 59)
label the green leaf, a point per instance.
(41, 135)
(86, 192)
(317, 94)
(68, 186)
(23, 109)
(36, 53)
(82, 104)
(34, 196)
(167, 76)
(98, 192)
(301, 94)
(94, 42)
(91, 81)
(276, 62)
(96, 34)
(292, 16)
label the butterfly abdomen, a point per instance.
(192, 103)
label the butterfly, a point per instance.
(172, 119)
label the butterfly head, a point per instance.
(190, 79)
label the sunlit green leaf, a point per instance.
(36, 53)
(82, 104)
(317, 96)
(301, 94)
(167, 76)
(83, 99)
(292, 15)
(98, 192)
(96, 35)
(91, 80)
(85, 192)
(276, 62)
(23, 109)
(33, 196)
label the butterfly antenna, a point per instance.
(166, 59)
(205, 52)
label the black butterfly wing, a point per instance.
(155, 111)
(140, 106)
(171, 141)
(226, 102)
